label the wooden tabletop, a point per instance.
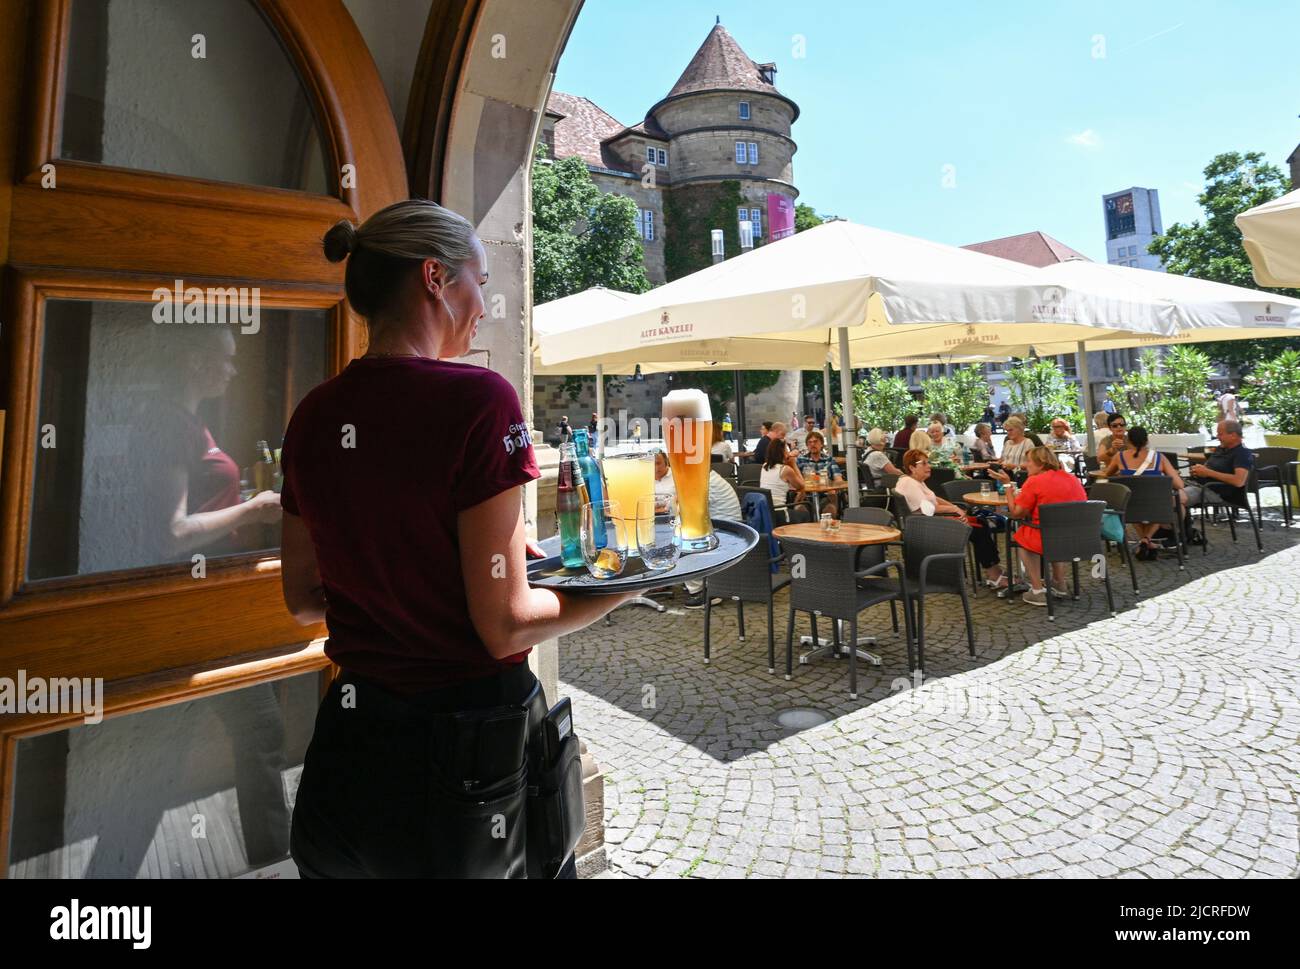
(848, 533)
(977, 466)
(839, 484)
(992, 499)
(1194, 457)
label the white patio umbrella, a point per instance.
(1271, 235)
(1205, 310)
(899, 295)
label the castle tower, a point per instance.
(729, 130)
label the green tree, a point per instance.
(1039, 390)
(1211, 248)
(883, 402)
(1170, 395)
(1277, 392)
(582, 237)
(806, 217)
(962, 396)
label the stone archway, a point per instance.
(481, 83)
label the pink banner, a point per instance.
(780, 216)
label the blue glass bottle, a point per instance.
(591, 474)
(570, 493)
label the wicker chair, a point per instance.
(934, 561)
(749, 474)
(1071, 533)
(788, 515)
(870, 555)
(1272, 466)
(1151, 502)
(941, 476)
(828, 584)
(1213, 499)
(956, 491)
(750, 580)
(1117, 497)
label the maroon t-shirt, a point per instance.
(428, 439)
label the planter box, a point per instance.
(1177, 443)
(1286, 440)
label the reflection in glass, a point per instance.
(203, 789)
(143, 92)
(149, 435)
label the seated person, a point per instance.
(921, 500)
(663, 475)
(1024, 422)
(1135, 458)
(945, 452)
(817, 460)
(721, 445)
(780, 474)
(1016, 446)
(1223, 476)
(877, 460)
(799, 438)
(1047, 484)
(1113, 442)
(982, 450)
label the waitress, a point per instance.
(410, 545)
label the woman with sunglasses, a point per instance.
(1114, 442)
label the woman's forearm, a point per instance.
(196, 530)
(544, 614)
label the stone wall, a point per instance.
(645, 198)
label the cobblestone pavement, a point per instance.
(1162, 742)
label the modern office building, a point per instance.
(1132, 220)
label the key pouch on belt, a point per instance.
(478, 793)
(556, 812)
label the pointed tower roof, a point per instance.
(1031, 248)
(720, 63)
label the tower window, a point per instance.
(740, 153)
(650, 155)
(756, 217)
(753, 153)
(649, 225)
(744, 110)
(662, 158)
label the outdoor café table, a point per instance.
(848, 533)
(977, 466)
(817, 489)
(994, 500)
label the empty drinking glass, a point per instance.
(601, 519)
(986, 486)
(659, 531)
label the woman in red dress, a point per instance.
(1047, 484)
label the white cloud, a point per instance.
(1085, 139)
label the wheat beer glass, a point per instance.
(688, 439)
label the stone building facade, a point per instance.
(723, 132)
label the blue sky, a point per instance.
(1010, 94)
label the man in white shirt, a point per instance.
(799, 439)
(1229, 409)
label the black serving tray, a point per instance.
(734, 540)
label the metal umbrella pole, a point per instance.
(850, 428)
(850, 431)
(600, 410)
(1081, 356)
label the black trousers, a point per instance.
(364, 807)
(986, 546)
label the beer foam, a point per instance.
(687, 405)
